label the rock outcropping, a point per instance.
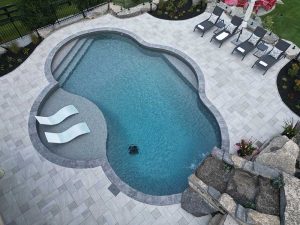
(292, 199)
(192, 202)
(280, 153)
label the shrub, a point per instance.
(34, 39)
(161, 4)
(250, 205)
(14, 48)
(26, 51)
(289, 129)
(181, 3)
(227, 167)
(245, 148)
(170, 6)
(297, 85)
(159, 12)
(293, 70)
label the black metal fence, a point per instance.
(11, 26)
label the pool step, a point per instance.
(184, 69)
(61, 54)
(67, 59)
(75, 60)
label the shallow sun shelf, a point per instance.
(58, 117)
(68, 135)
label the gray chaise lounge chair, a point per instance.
(58, 117)
(250, 44)
(68, 135)
(228, 31)
(268, 60)
(210, 22)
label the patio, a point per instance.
(35, 191)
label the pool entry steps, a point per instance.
(68, 57)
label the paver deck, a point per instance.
(35, 191)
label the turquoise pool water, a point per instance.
(146, 102)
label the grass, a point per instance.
(286, 19)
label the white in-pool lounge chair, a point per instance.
(58, 117)
(68, 135)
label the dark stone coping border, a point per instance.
(125, 188)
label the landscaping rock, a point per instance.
(240, 213)
(243, 187)
(216, 219)
(257, 218)
(265, 171)
(192, 202)
(194, 181)
(268, 198)
(296, 139)
(283, 158)
(275, 144)
(213, 192)
(228, 203)
(230, 221)
(212, 173)
(238, 162)
(292, 196)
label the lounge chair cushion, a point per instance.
(200, 26)
(254, 39)
(275, 53)
(69, 134)
(213, 18)
(240, 49)
(263, 63)
(221, 36)
(230, 28)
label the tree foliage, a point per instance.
(36, 13)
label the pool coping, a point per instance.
(108, 170)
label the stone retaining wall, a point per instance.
(254, 168)
(224, 202)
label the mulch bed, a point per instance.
(286, 84)
(187, 11)
(10, 61)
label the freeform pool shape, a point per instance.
(148, 103)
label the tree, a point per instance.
(36, 13)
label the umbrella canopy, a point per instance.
(265, 4)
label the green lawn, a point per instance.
(286, 19)
(6, 2)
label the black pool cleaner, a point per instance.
(133, 149)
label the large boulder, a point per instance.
(292, 197)
(275, 144)
(227, 202)
(257, 218)
(213, 173)
(267, 199)
(242, 187)
(280, 154)
(194, 204)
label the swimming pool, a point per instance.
(148, 103)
